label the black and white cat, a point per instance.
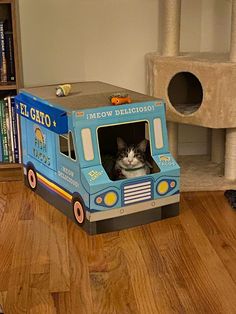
(131, 160)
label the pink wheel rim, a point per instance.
(79, 212)
(32, 179)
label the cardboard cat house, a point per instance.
(198, 89)
(69, 144)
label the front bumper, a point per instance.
(131, 209)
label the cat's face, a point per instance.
(131, 156)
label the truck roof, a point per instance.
(85, 95)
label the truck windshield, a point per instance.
(132, 134)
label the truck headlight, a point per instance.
(107, 199)
(110, 198)
(162, 187)
(165, 186)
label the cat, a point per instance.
(131, 160)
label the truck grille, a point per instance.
(137, 192)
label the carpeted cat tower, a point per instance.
(199, 89)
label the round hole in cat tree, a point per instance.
(185, 92)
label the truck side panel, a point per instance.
(41, 145)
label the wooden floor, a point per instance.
(185, 264)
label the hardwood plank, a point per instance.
(40, 298)
(10, 172)
(11, 200)
(8, 86)
(3, 199)
(28, 204)
(114, 283)
(3, 296)
(6, 1)
(219, 230)
(62, 302)
(41, 302)
(80, 300)
(139, 271)
(19, 278)
(216, 269)
(40, 281)
(223, 220)
(156, 244)
(223, 216)
(96, 255)
(58, 247)
(184, 264)
(186, 278)
(40, 262)
(10, 166)
(224, 209)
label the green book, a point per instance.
(3, 126)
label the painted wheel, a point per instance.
(79, 212)
(32, 178)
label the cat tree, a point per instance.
(198, 90)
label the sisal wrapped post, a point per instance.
(170, 47)
(218, 145)
(172, 128)
(230, 154)
(171, 27)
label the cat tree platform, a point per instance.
(199, 173)
(198, 89)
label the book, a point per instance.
(15, 130)
(9, 47)
(3, 126)
(10, 148)
(8, 124)
(0, 146)
(3, 63)
(10, 132)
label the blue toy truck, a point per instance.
(68, 144)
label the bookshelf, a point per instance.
(9, 11)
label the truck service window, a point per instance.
(158, 133)
(87, 144)
(67, 145)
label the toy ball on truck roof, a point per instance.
(68, 144)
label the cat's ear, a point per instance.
(121, 143)
(142, 145)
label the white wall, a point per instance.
(107, 40)
(215, 25)
(78, 40)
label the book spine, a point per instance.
(3, 54)
(8, 124)
(19, 138)
(1, 30)
(0, 145)
(15, 131)
(3, 125)
(11, 144)
(10, 56)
